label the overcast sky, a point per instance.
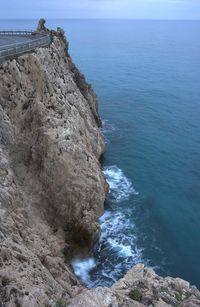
(138, 9)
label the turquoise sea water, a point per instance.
(147, 77)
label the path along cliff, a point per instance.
(52, 189)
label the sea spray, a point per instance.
(82, 267)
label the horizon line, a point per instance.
(134, 19)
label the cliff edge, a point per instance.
(52, 189)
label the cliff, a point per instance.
(52, 189)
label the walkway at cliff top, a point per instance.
(14, 43)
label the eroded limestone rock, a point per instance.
(52, 189)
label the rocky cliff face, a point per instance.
(52, 189)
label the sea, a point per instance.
(147, 77)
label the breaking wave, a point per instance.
(120, 186)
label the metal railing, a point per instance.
(16, 32)
(15, 49)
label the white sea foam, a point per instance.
(115, 226)
(124, 250)
(82, 267)
(120, 186)
(113, 222)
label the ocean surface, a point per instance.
(147, 77)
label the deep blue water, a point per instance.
(147, 77)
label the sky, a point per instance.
(125, 9)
